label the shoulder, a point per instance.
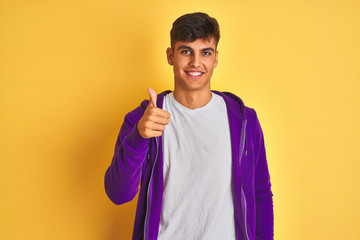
(135, 115)
(237, 106)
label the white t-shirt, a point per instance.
(197, 198)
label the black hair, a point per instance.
(192, 26)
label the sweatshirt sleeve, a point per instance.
(263, 193)
(122, 178)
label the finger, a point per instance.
(151, 133)
(159, 112)
(156, 127)
(159, 120)
(153, 96)
(156, 133)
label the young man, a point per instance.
(198, 155)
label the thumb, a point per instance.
(153, 96)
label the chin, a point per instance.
(190, 84)
(196, 87)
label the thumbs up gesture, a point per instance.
(154, 120)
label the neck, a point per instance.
(192, 99)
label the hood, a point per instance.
(236, 105)
(233, 102)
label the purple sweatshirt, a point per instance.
(138, 161)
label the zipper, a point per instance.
(246, 233)
(243, 136)
(147, 197)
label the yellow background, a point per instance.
(70, 70)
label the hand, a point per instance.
(153, 122)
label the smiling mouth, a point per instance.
(194, 74)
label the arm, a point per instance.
(122, 178)
(263, 193)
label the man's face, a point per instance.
(193, 63)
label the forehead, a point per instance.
(198, 44)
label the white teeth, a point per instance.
(195, 73)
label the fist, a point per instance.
(154, 120)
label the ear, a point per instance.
(170, 55)
(216, 58)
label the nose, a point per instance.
(195, 60)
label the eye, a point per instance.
(185, 52)
(206, 53)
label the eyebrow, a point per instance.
(182, 47)
(209, 49)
